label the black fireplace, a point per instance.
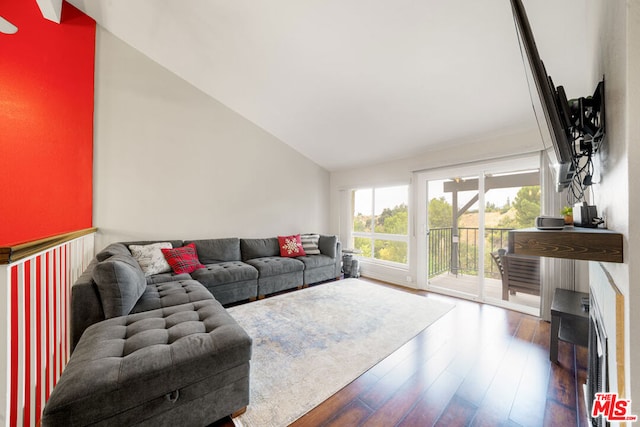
(597, 381)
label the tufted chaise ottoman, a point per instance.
(181, 365)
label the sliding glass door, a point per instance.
(452, 218)
(466, 214)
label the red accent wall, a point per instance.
(46, 123)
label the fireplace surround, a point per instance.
(606, 370)
(597, 371)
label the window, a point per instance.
(380, 223)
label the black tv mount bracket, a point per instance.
(588, 120)
(587, 127)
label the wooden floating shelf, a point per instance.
(590, 244)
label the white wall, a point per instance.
(633, 248)
(633, 152)
(171, 162)
(616, 44)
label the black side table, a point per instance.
(569, 321)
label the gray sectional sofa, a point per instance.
(140, 342)
(235, 270)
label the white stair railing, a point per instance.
(35, 292)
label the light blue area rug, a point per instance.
(309, 344)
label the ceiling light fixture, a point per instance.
(7, 27)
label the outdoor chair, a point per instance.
(519, 273)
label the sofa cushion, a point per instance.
(225, 272)
(151, 258)
(167, 294)
(183, 259)
(258, 248)
(274, 266)
(310, 243)
(111, 250)
(290, 246)
(211, 251)
(120, 282)
(167, 277)
(315, 261)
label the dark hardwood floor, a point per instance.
(478, 365)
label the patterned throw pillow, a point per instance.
(183, 259)
(310, 243)
(150, 257)
(290, 246)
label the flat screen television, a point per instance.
(549, 103)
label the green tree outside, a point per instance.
(393, 221)
(527, 205)
(390, 221)
(362, 223)
(440, 214)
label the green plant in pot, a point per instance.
(567, 212)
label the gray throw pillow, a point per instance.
(327, 245)
(120, 282)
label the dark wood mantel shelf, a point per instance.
(590, 244)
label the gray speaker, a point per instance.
(550, 222)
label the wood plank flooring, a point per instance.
(478, 365)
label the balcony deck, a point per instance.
(493, 288)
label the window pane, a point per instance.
(363, 244)
(466, 246)
(508, 208)
(362, 214)
(391, 210)
(390, 250)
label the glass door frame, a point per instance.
(479, 169)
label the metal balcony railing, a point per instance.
(443, 252)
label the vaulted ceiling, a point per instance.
(353, 82)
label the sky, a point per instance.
(387, 197)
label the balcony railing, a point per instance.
(445, 255)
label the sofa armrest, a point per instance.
(338, 264)
(86, 305)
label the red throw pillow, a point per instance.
(290, 246)
(183, 259)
